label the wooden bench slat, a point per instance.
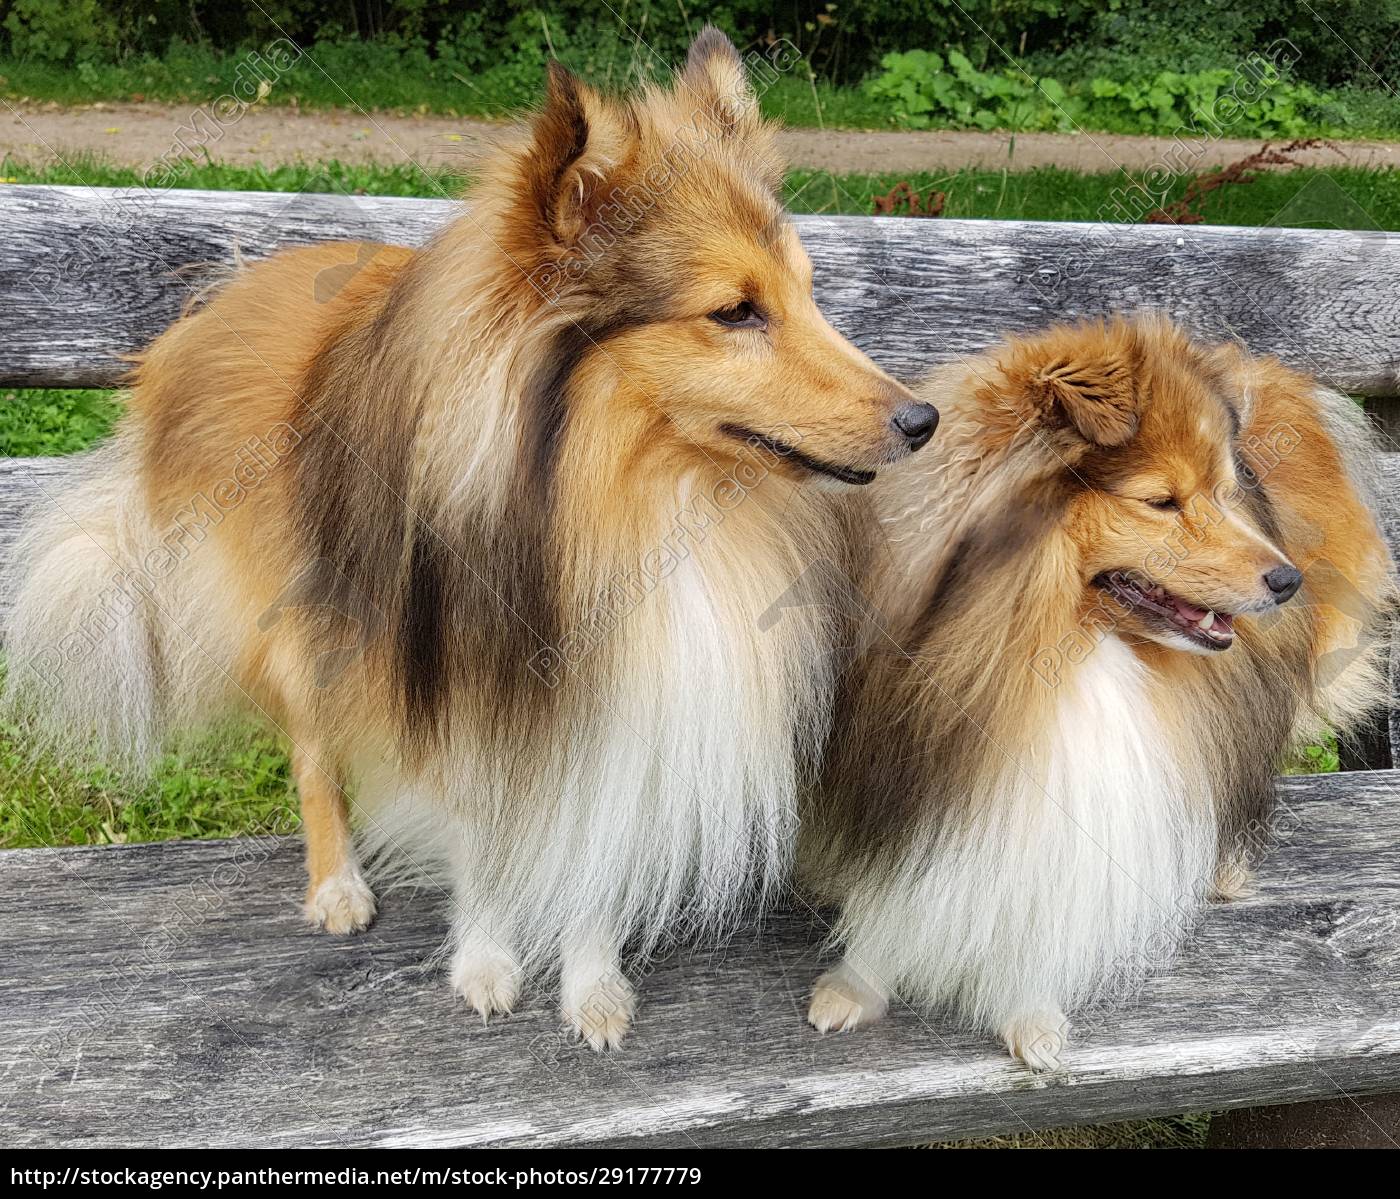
(1389, 516)
(169, 994)
(88, 274)
(23, 482)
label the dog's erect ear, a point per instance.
(578, 141)
(715, 79)
(1097, 396)
(1087, 380)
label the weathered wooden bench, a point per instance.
(170, 995)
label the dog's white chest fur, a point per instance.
(674, 800)
(1118, 849)
(699, 761)
(1081, 869)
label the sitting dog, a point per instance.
(1133, 573)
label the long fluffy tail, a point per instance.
(1354, 678)
(99, 661)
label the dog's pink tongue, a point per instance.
(1190, 611)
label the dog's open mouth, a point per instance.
(846, 474)
(1202, 626)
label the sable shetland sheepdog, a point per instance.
(1080, 742)
(520, 499)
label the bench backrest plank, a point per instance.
(90, 274)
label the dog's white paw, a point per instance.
(602, 1014)
(1233, 880)
(1037, 1039)
(840, 1001)
(489, 982)
(341, 903)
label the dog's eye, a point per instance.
(1164, 504)
(742, 315)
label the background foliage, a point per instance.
(1341, 42)
(924, 89)
(1132, 66)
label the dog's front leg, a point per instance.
(848, 995)
(484, 970)
(337, 897)
(1037, 1038)
(596, 1000)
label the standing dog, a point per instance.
(486, 528)
(1089, 575)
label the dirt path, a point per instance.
(139, 134)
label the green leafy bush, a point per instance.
(924, 89)
(60, 31)
(1118, 65)
(37, 423)
(1206, 100)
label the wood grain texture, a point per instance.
(23, 483)
(90, 274)
(1390, 523)
(1395, 697)
(169, 995)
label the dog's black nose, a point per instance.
(917, 422)
(1283, 582)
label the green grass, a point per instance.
(378, 80)
(1346, 198)
(40, 423)
(1168, 1132)
(1316, 759)
(1338, 197)
(354, 73)
(86, 170)
(221, 790)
